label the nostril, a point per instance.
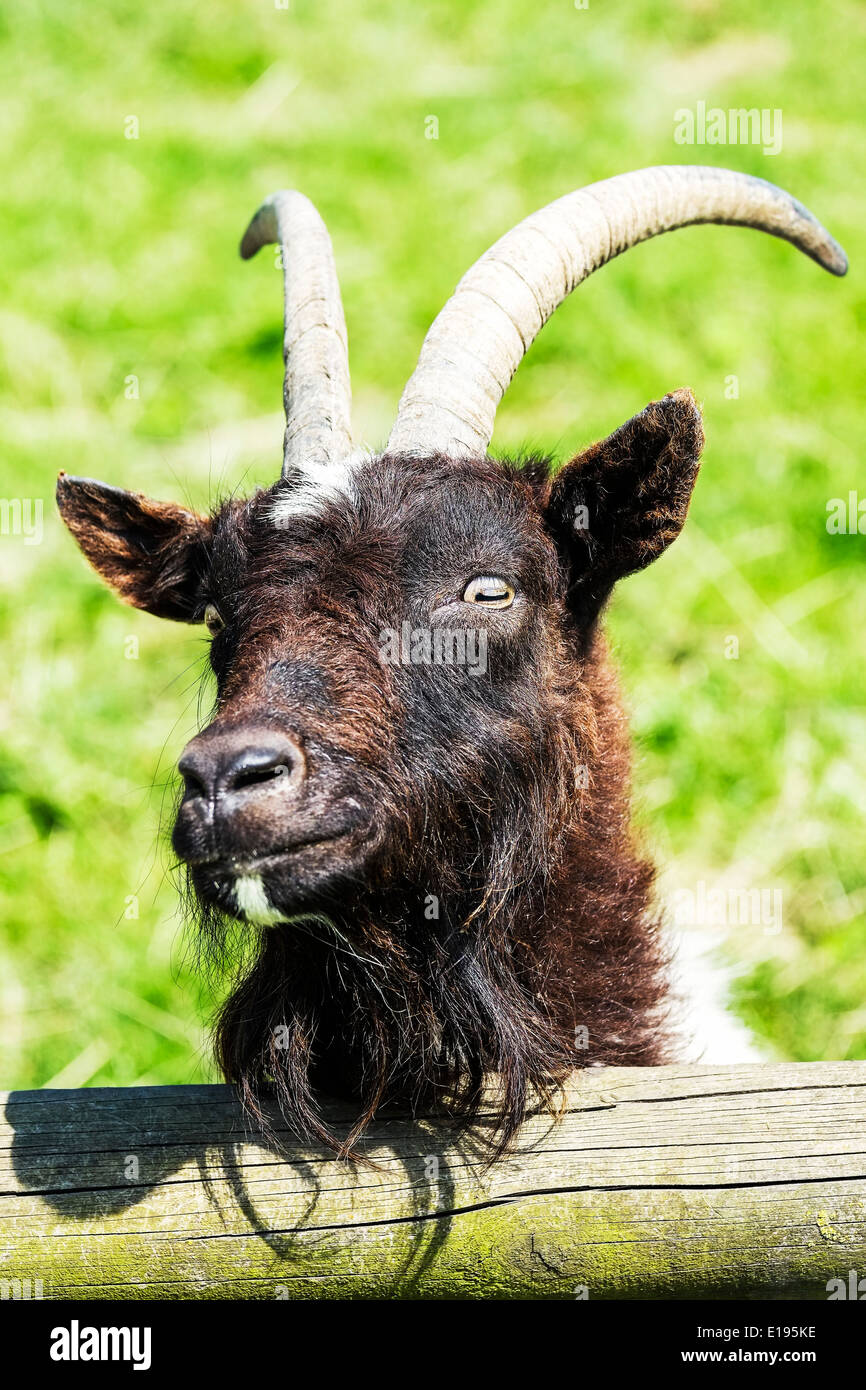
(192, 784)
(249, 777)
(257, 766)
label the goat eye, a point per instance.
(213, 619)
(488, 591)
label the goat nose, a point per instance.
(240, 761)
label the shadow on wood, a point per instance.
(672, 1182)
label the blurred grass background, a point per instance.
(119, 262)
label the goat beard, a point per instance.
(419, 995)
(412, 1022)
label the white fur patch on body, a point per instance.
(707, 1031)
(252, 900)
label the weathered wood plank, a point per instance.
(675, 1182)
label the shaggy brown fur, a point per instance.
(450, 853)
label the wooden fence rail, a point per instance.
(675, 1182)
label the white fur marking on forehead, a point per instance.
(253, 901)
(318, 484)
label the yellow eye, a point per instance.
(488, 591)
(213, 620)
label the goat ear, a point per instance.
(153, 554)
(620, 503)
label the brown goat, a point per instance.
(414, 789)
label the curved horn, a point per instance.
(475, 344)
(316, 391)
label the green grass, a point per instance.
(119, 260)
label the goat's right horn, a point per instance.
(476, 343)
(316, 391)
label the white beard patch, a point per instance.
(316, 485)
(253, 901)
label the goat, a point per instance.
(430, 859)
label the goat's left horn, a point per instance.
(477, 341)
(316, 390)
